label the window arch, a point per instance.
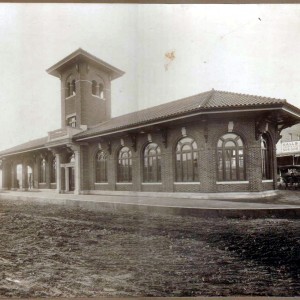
(97, 89)
(101, 91)
(73, 86)
(231, 162)
(186, 160)
(152, 163)
(265, 157)
(70, 86)
(101, 166)
(43, 170)
(124, 165)
(68, 89)
(53, 170)
(94, 87)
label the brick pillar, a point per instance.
(67, 179)
(48, 170)
(85, 169)
(254, 168)
(5, 174)
(207, 170)
(77, 169)
(36, 173)
(13, 176)
(23, 184)
(136, 171)
(77, 172)
(168, 174)
(111, 172)
(58, 172)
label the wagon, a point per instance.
(289, 176)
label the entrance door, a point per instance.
(71, 179)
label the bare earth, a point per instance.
(51, 250)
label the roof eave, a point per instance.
(21, 151)
(55, 70)
(179, 116)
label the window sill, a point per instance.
(267, 180)
(101, 183)
(67, 98)
(123, 183)
(187, 182)
(232, 182)
(98, 97)
(151, 183)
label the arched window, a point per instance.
(43, 170)
(124, 165)
(97, 89)
(68, 90)
(101, 166)
(186, 160)
(152, 163)
(101, 91)
(94, 87)
(71, 121)
(265, 158)
(231, 163)
(73, 86)
(53, 170)
(70, 87)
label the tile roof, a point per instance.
(197, 103)
(82, 54)
(207, 101)
(31, 145)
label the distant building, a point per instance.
(288, 147)
(211, 142)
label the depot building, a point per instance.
(214, 141)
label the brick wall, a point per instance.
(207, 158)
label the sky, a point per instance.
(167, 51)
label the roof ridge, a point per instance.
(203, 104)
(250, 95)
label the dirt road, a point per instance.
(51, 250)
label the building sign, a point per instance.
(291, 146)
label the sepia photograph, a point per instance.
(149, 150)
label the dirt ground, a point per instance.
(52, 250)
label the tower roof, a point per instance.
(80, 55)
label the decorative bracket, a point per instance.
(72, 147)
(205, 131)
(261, 126)
(43, 155)
(109, 146)
(164, 136)
(133, 137)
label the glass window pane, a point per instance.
(151, 160)
(230, 163)
(186, 160)
(229, 144)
